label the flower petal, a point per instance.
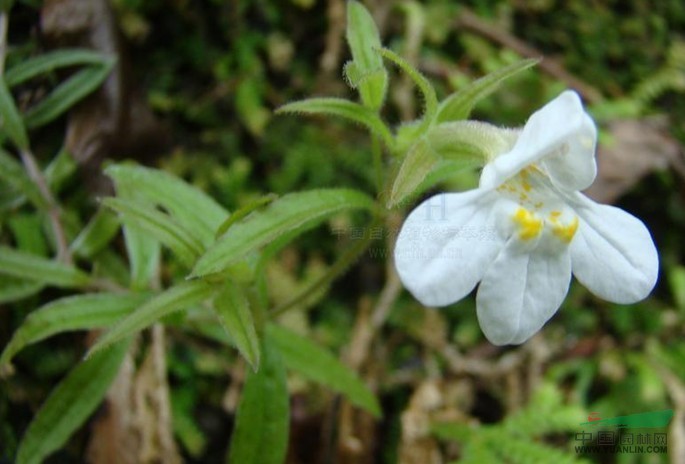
(572, 166)
(446, 244)
(520, 292)
(613, 253)
(560, 131)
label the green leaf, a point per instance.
(50, 61)
(459, 140)
(292, 211)
(424, 86)
(366, 72)
(101, 229)
(143, 250)
(160, 225)
(79, 312)
(463, 144)
(35, 268)
(65, 95)
(263, 417)
(12, 289)
(70, 404)
(418, 163)
(176, 298)
(319, 365)
(192, 208)
(459, 105)
(12, 172)
(342, 108)
(10, 118)
(244, 211)
(232, 308)
(58, 173)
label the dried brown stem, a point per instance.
(467, 20)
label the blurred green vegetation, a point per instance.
(214, 70)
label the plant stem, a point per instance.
(54, 211)
(377, 153)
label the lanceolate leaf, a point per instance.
(159, 225)
(67, 94)
(233, 311)
(418, 163)
(263, 417)
(459, 105)
(366, 72)
(71, 313)
(191, 207)
(143, 249)
(292, 211)
(50, 61)
(10, 119)
(70, 404)
(342, 108)
(12, 172)
(319, 365)
(174, 299)
(96, 235)
(31, 267)
(424, 86)
(12, 289)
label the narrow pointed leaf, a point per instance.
(342, 108)
(65, 95)
(101, 229)
(319, 365)
(50, 61)
(263, 417)
(174, 299)
(160, 225)
(366, 72)
(13, 289)
(70, 404)
(232, 308)
(459, 105)
(60, 170)
(13, 173)
(144, 253)
(10, 118)
(424, 86)
(143, 250)
(244, 211)
(35, 268)
(293, 211)
(82, 312)
(192, 208)
(418, 163)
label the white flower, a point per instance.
(525, 229)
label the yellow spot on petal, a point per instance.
(526, 186)
(554, 214)
(538, 205)
(566, 232)
(529, 225)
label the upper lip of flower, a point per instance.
(540, 230)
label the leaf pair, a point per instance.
(96, 69)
